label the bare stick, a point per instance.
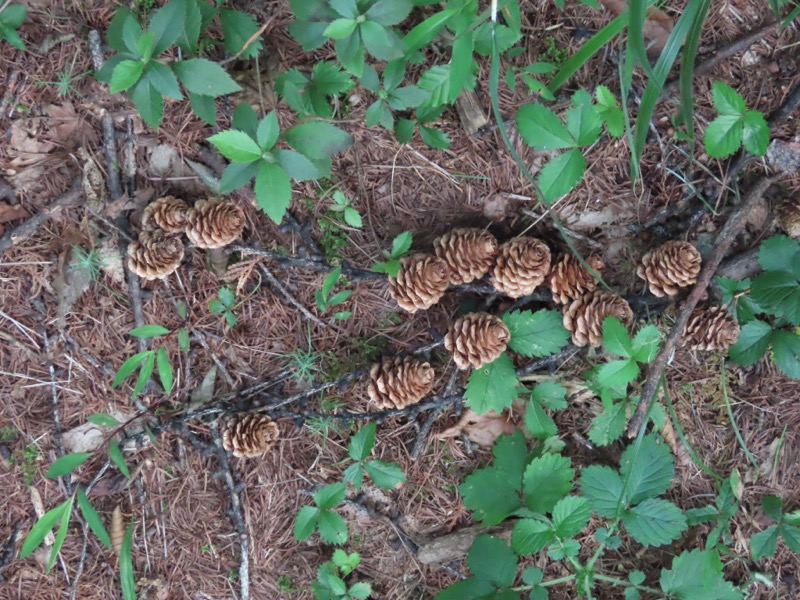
(421, 443)
(23, 231)
(290, 297)
(249, 41)
(110, 152)
(726, 237)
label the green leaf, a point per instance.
(408, 96)
(434, 137)
(727, 100)
(389, 12)
(144, 47)
(131, 35)
(360, 590)
(608, 426)
(773, 506)
(616, 339)
(570, 516)
(401, 244)
(62, 532)
(129, 366)
(697, 574)
(617, 373)
(531, 535)
(493, 386)
(245, 119)
(779, 253)
(753, 341)
(11, 36)
(346, 8)
(647, 468)
(67, 464)
(237, 175)
(386, 475)
(550, 394)
(471, 588)
(547, 479)
(756, 133)
(125, 75)
(204, 107)
(305, 522)
(352, 218)
(538, 423)
(422, 34)
(511, 456)
(149, 101)
(786, 352)
(536, 334)
(436, 80)
(268, 131)
(92, 518)
(541, 128)
(114, 34)
(317, 139)
(273, 190)
(236, 145)
(144, 373)
(163, 80)
(764, 543)
(583, 122)
(332, 527)
(297, 166)
(149, 331)
(350, 52)
(491, 494)
(362, 442)
(340, 29)
(42, 527)
(603, 488)
(331, 495)
(778, 292)
(126, 566)
(354, 474)
(13, 15)
(645, 344)
(380, 42)
(238, 27)
(188, 38)
(723, 136)
(791, 536)
(102, 420)
(166, 25)
(492, 560)
(655, 522)
(560, 176)
(204, 77)
(226, 296)
(378, 112)
(462, 65)
(115, 454)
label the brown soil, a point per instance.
(64, 359)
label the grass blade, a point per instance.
(62, 532)
(126, 566)
(687, 72)
(92, 518)
(115, 454)
(41, 528)
(67, 464)
(636, 47)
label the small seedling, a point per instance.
(342, 205)
(224, 303)
(66, 79)
(146, 362)
(401, 245)
(325, 301)
(11, 18)
(330, 584)
(89, 263)
(735, 125)
(385, 475)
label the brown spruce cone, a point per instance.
(468, 252)
(669, 267)
(522, 265)
(477, 339)
(249, 434)
(215, 223)
(569, 279)
(713, 329)
(584, 316)
(789, 217)
(168, 213)
(155, 254)
(399, 382)
(421, 281)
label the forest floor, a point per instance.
(63, 336)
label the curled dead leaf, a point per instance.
(657, 26)
(117, 530)
(484, 429)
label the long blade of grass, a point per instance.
(636, 49)
(687, 71)
(724, 385)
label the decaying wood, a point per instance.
(470, 112)
(456, 545)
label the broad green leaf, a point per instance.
(436, 80)
(13, 15)
(330, 495)
(129, 366)
(63, 528)
(362, 442)
(764, 543)
(378, 112)
(149, 101)
(434, 137)
(380, 42)
(511, 456)
(779, 253)
(131, 34)
(773, 506)
(328, 79)
(102, 420)
(204, 107)
(471, 588)
(389, 12)
(778, 292)
(273, 190)
(541, 128)
(163, 80)
(237, 175)
(297, 166)
(401, 244)
(42, 527)
(67, 464)
(786, 352)
(386, 475)
(491, 559)
(239, 27)
(547, 479)
(115, 454)
(125, 75)
(538, 423)
(305, 522)
(550, 394)
(493, 386)
(422, 34)
(723, 136)
(340, 28)
(532, 575)
(617, 373)
(352, 218)
(616, 339)
(204, 77)
(645, 343)
(268, 130)
(126, 566)
(791, 536)
(560, 176)
(114, 33)
(697, 574)
(245, 119)
(756, 133)
(461, 64)
(491, 494)
(92, 518)
(166, 25)
(608, 426)
(603, 488)
(536, 334)
(360, 590)
(570, 516)
(332, 527)
(346, 8)
(648, 469)
(317, 139)
(531, 535)
(350, 52)
(354, 474)
(406, 97)
(149, 331)
(195, 12)
(727, 100)
(654, 522)
(753, 341)
(583, 122)
(236, 145)
(144, 373)
(145, 47)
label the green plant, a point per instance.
(27, 463)
(787, 527)
(252, 147)
(146, 362)
(324, 425)
(304, 362)
(401, 245)
(286, 585)
(390, 95)
(321, 517)
(224, 303)
(309, 94)
(384, 474)
(89, 263)
(64, 85)
(735, 125)
(8, 433)
(323, 296)
(330, 584)
(11, 18)
(343, 206)
(775, 293)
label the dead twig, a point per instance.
(421, 443)
(725, 239)
(246, 45)
(277, 285)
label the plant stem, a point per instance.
(618, 581)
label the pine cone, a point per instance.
(215, 223)
(469, 253)
(670, 267)
(249, 434)
(477, 339)
(522, 265)
(169, 213)
(569, 279)
(421, 281)
(713, 329)
(789, 217)
(584, 316)
(155, 254)
(399, 382)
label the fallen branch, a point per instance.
(725, 239)
(277, 285)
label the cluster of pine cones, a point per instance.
(211, 223)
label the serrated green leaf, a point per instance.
(727, 100)
(436, 80)
(773, 506)
(316, 139)
(786, 352)
(42, 527)
(538, 423)
(570, 516)
(381, 42)
(697, 574)
(541, 128)
(332, 527)
(550, 394)
(273, 190)
(779, 293)
(511, 456)
(492, 560)
(434, 138)
(268, 131)
(791, 536)
(355, 475)
(389, 12)
(163, 80)
(125, 75)
(149, 101)
(723, 136)
(645, 344)
(386, 475)
(531, 535)
(245, 119)
(756, 133)
(330, 495)
(778, 253)
(238, 27)
(401, 244)
(647, 468)
(360, 590)
(352, 218)
(764, 543)
(236, 145)
(493, 386)
(340, 28)
(67, 464)
(608, 426)
(654, 522)
(583, 122)
(560, 175)
(491, 494)
(753, 341)
(547, 479)
(204, 107)
(536, 334)
(204, 77)
(131, 34)
(305, 522)
(471, 588)
(362, 442)
(617, 373)
(616, 339)
(603, 488)
(166, 25)
(297, 166)
(237, 175)
(408, 96)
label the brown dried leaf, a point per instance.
(678, 449)
(117, 530)
(485, 428)
(9, 212)
(657, 26)
(70, 283)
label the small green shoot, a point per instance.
(735, 125)
(386, 475)
(326, 301)
(11, 18)
(224, 303)
(401, 245)
(321, 517)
